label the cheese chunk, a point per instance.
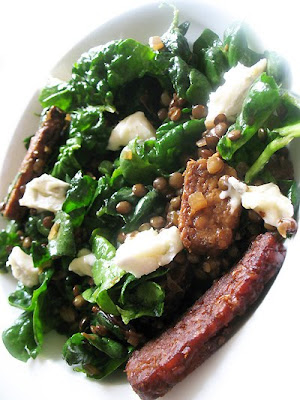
(45, 193)
(135, 125)
(228, 98)
(266, 200)
(82, 265)
(148, 250)
(22, 267)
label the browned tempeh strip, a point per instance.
(161, 363)
(208, 230)
(40, 148)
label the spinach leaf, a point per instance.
(260, 102)
(105, 273)
(151, 203)
(178, 140)
(8, 239)
(61, 239)
(19, 338)
(27, 298)
(188, 82)
(92, 354)
(284, 136)
(40, 255)
(91, 126)
(134, 162)
(67, 164)
(147, 299)
(79, 197)
(211, 59)
(101, 71)
(278, 68)
(59, 94)
(235, 40)
(175, 41)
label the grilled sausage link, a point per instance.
(161, 363)
(40, 148)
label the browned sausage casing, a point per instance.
(165, 361)
(208, 230)
(40, 148)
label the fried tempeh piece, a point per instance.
(206, 222)
(161, 363)
(40, 148)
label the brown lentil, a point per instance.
(201, 222)
(201, 142)
(234, 135)
(180, 258)
(48, 221)
(223, 182)
(162, 114)
(123, 207)
(220, 129)
(76, 290)
(199, 111)
(220, 118)
(176, 180)
(241, 169)
(175, 203)
(83, 323)
(165, 98)
(99, 330)
(145, 227)
(79, 301)
(193, 258)
(95, 309)
(254, 216)
(262, 134)
(67, 314)
(212, 140)
(172, 217)
(214, 164)
(121, 237)
(180, 102)
(20, 233)
(174, 113)
(205, 153)
(38, 165)
(139, 190)
(287, 225)
(91, 369)
(26, 242)
(160, 183)
(157, 222)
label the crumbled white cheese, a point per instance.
(228, 98)
(148, 250)
(82, 265)
(135, 125)
(266, 200)
(45, 193)
(22, 267)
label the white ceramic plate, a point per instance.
(261, 360)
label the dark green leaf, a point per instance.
(260, 102)
(19, 338)
(62, 241)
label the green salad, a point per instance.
(135, 114)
